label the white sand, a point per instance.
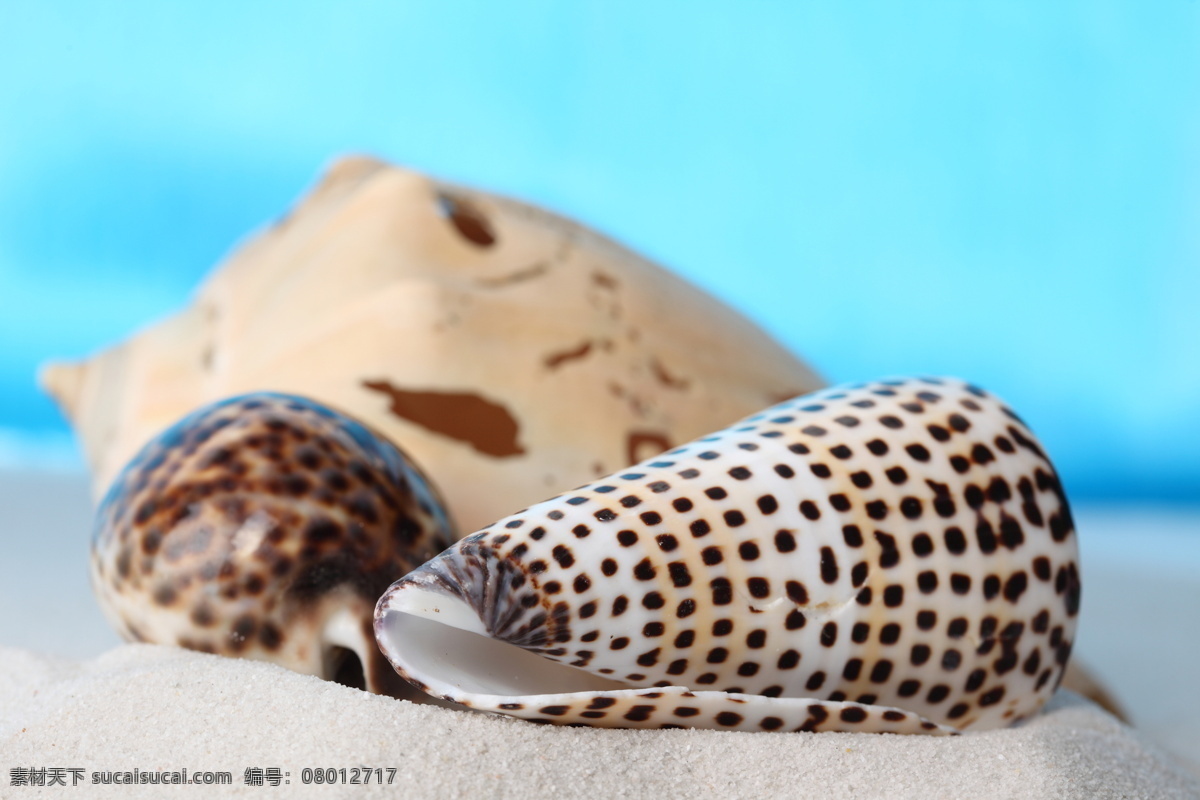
(157, 708)
(164, 709)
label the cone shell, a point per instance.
(511, 352)
(896, 556)
(265, 526)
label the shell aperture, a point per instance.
(265, 526)
(896, 556)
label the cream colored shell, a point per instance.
(511, 352)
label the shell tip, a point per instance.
(63, 381)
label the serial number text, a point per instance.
(353, 775)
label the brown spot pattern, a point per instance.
(485, 425)
(836, 552)
(468, 219)
(557, 359)
(644, 444)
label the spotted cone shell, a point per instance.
(895, 556)
(265, 526)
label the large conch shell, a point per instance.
(265, 526)
(896, 556)
(511, 352)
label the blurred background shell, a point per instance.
(511, 352)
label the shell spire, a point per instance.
(896, 556)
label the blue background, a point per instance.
(1005, 191)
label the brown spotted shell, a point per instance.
(897, 556)
(265, 526)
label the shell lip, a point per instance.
(436, 641)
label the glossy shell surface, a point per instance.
(895, 556)
(265, 526)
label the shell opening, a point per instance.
(343, 666)
(438, 640)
